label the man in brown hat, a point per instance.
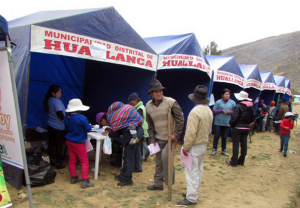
(157, 118)
(198, 128)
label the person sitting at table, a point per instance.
(124, 119)
(77, 127)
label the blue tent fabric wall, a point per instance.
(280, 82)
(252, 72)
(227, 64)
(104, 24)
(180, 81)
(288, 87)
(266, 94)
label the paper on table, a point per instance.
(153, 149)
(88, 145)
(186, 159)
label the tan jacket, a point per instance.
(198, 128)
(281, 112)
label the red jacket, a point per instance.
(286, 123)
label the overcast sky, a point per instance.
(227, 22)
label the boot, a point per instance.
(86, 183)
(75, 180)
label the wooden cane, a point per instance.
(170, 156)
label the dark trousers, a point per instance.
(128, 158)
(220, 131)
(239, 137)
(56, 139)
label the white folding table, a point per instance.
(98, 137)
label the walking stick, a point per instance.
(170, 156)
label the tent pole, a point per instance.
(19, 121)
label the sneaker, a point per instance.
(75, 180)
(185, 202)
(214, 152)
(152, 188)
(118, 178)
(284, 155)
(125, 183)
(225, 153)
(229, 163)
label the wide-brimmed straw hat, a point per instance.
(155, 85)
(199, 95)
(76, 105)
(242, 96)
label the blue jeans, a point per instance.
(220, 131)
(284, 142)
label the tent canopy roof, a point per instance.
(267, 77)
(287, 83)
(225, 63)
(102, 23)
(176, 44)
(280, 81)
(250, 72)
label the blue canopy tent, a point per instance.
(93, 54)
(280, 89)
(181, 67)
(288, 92)
(227, 74)
(268, 87)
(3, 28)
(253, 82)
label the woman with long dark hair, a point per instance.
(55, 110)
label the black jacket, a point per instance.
(243, 115)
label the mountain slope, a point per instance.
(279, 54)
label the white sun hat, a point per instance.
(76, 105)
(288, 114)
(242, 96)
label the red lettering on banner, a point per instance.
(148, 63)
(131, 59)
(49, 44)
(85, 50)
(140, 61)
(120, 57)
(67, 47)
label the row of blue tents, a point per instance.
(95, 55)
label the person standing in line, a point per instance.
(271, 115)
(222, 111)
(142, 151)
(241, 119)
(283, 108)
(285, 131)
(55, 110)
(77, 127)
(157, 117)
(199, 124)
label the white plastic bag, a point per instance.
(107, 146)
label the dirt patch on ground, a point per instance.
(267, 180)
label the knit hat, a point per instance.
(99, 116)
(272, 103)
(133, 96)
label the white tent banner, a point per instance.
(253, 83)
(181, 61)
(280, 90)
(288, 91)
(10, 147)
(50, 41)
(223, 76)
(269, 86)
